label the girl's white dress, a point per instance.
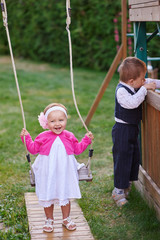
(56, 176)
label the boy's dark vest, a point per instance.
(132, 116)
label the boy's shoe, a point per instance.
(127, 190)
(119, 198)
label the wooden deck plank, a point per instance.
(45, 237)
(36, 218)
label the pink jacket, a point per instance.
(43, 142)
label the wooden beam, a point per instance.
(124, 27)
(149, 184)
(147, 14)
(149, 190)
(105, 84)
(130, 2)
(121, 54)
(148, 4)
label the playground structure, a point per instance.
(141, 9)
(140, 12)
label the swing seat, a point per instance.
(85, 174)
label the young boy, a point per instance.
(129, 95)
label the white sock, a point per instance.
(119, 191)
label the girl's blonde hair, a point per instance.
(131, 68)
(53, 105)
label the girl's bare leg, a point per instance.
(49, 211)
(49, 215)
(66, 210)
(65, 213)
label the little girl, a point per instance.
(55, 167)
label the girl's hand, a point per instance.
(24, 132)
(90, 135)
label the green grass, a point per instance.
(40, 85)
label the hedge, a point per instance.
(38, 31)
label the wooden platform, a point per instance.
(36, 218)
(149, 190)
(144, 10)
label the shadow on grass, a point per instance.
(135, 221)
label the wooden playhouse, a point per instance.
(141, 12)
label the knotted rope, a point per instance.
(68, 22)
(5, 23)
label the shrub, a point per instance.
(38, 31)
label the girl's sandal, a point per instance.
(48, 227)
(70, 225)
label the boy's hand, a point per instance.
(150, 86)
(24, 132)
(90, 135)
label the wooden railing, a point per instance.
(151, 136)
(149, 178)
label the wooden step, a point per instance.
(36, 219)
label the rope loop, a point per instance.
(4, 12)
(68, 21)
(68, 10)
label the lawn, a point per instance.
(40, 85)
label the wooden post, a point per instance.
(140, 41)
(140, 47)
(122, 53)
(105, 84)
(124, 27)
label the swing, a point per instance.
(84, 173)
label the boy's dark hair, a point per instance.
(131, 68)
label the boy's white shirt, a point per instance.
(129, 101)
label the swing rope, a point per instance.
(5, 23)
(68, 22)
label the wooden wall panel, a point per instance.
(146, 14)
(149, 190)
(150, 131)
(132, 2)
(143, 5)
